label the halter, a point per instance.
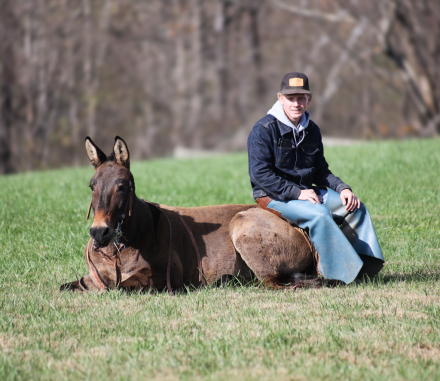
(130, 200)
(121, 246)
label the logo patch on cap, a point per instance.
(296, 82)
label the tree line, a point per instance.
(165, 74)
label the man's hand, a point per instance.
(309, 195)
(350, 200)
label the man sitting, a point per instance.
(286, 157)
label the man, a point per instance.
(286, 157)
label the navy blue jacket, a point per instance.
(280, 169)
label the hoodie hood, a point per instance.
(278, 112)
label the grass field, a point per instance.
(385, 329)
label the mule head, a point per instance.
(112, 188)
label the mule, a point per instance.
(135, 244)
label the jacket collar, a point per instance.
(284, 129)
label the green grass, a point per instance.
(386, 329)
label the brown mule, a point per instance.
(135, 244)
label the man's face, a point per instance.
(294, 105)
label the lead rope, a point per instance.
(199, 260)
(201, 275)
(92, 267)
(170, 253)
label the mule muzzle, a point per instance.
(101, 235)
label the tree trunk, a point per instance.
(8, 24)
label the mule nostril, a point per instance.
(106, 232)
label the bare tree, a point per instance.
(407, 32)
(410, 37)
(169, 73)
(8, 81)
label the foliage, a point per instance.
(387, 328)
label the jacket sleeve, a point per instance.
(262, 166)
(323, 176)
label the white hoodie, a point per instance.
(277, 111)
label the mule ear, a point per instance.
(122, 155)
(96, 156)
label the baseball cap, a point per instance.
(295, 83)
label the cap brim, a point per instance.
(295, 91)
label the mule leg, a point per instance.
(71, 286)
(272, 248)
(82, 285)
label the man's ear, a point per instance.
(309, 100)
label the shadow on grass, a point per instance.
(430, 274)
(237, 283)
(416, 276)
(297, 281)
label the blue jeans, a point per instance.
(341, 238)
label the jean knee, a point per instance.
(362, 209)
(320, 211)
(358, 215)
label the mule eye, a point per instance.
(91, 187)
(122, 188)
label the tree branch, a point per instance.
(340, 16)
